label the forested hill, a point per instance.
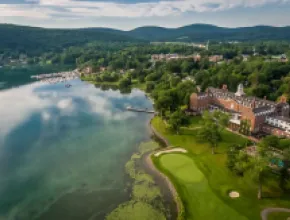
(204, 32)
(34, 41)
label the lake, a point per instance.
(63, 150)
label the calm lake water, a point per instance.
(63, 151)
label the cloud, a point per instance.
(75, 9)
(65, 103)
(23, 10)
(45, 116)
(17, 104)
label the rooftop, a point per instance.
(281, 118)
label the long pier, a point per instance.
(140, 110)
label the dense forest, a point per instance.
(203, 32)
(34, 41)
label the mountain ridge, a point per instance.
(15, 37)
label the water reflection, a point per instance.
(62, 148)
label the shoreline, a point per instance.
(159, 174)
(162, 176)
(153, 170)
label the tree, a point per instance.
(163, 102)
(237, 160)
(259, 167)
(125, 82)
(270, 141)
(175, 121)
(214, 123)
(284, 174)
(245, 127)
(210, 133)
(150, 86)
(259, 164)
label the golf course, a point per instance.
(203, 182)
(193, 184)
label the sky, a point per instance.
(129, 14)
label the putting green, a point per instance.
(200, 202)
(180, 164)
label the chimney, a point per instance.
(225, 87)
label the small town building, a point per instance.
(245, 57)
(168, 57)
(103, 69)
(281, 58)
(88, 70)
(197, 57)
(215, 58)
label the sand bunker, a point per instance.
(174, 150)
(234, 194)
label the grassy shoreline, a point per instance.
(135, 83)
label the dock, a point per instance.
(140, 110)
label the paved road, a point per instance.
(266, 212)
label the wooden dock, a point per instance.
(140, 110)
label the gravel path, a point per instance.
(266, 212)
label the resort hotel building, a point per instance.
(261, 115)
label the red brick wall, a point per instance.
(196, 103)
(246, 112)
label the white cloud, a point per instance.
(72, 8)
(8, 10)
(17, 104)
(65, 103)
(45, 116)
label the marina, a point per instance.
(60, 77)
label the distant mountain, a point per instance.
(37, 40)
(204, 32)
(13, 37)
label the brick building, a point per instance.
(259, 113)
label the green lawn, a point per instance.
(135, 83)
(218, 178)
(191, 182)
